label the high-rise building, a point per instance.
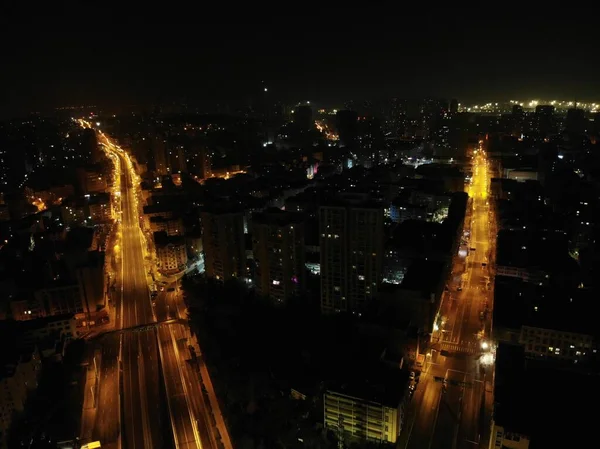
(595, 123)
(89, 143)
(178, 160)
(517, 110)
(303, 118)
(91, 180)
(374, 409)
(170, 251)
(224, 244)
(371, 142)
(575, 121)
(160, 155)
(516, 121)
(351, 234)
(544, 120)
(204, 163)
(278, 247)
(453, 106)
(347, 126)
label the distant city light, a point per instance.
(266, 90)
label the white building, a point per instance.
(170, 251)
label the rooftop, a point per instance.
(522, 248)
(436, 170)
(421, 236)
(161, 238)
(11, 357)
(423, 275)
(40, 323)
(353, 200)
(221, 208)
(381, 384)
(509, 410)
(160, 219)
(530, 396)
(156, 208)
(79, 238)
(275, 216)
(517, 304)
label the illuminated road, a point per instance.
(183, 386)
(448, 415)
(141, 396)
(145, 420)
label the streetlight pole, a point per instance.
(95, 369)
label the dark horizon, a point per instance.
(470, 58)
(180, 271)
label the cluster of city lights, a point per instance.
(324, 128)
(504, 107)
(489, 354)
(531, 104)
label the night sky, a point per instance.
(325, 58)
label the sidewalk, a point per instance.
(214, 402)
(90, 393)
(488, 411)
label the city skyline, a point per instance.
(308, 232)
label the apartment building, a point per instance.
(556, 344)
(223, 242)
(172, 226)
(351, 241)
(373, 410)
(279, 254)
(171, 252)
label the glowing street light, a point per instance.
(487, 359)
(484, 345)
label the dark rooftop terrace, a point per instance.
(378, 383)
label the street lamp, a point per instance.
(487, 359)
(484, 345)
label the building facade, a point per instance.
(171, 252)
(361, 418)
(500, 438)
(556, 344)
(351, 236)
(224, 244)
(172, 226)
(279, 254)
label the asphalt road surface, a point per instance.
(131, 409)
(142, 421)
(448, 405)
(190, 406)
